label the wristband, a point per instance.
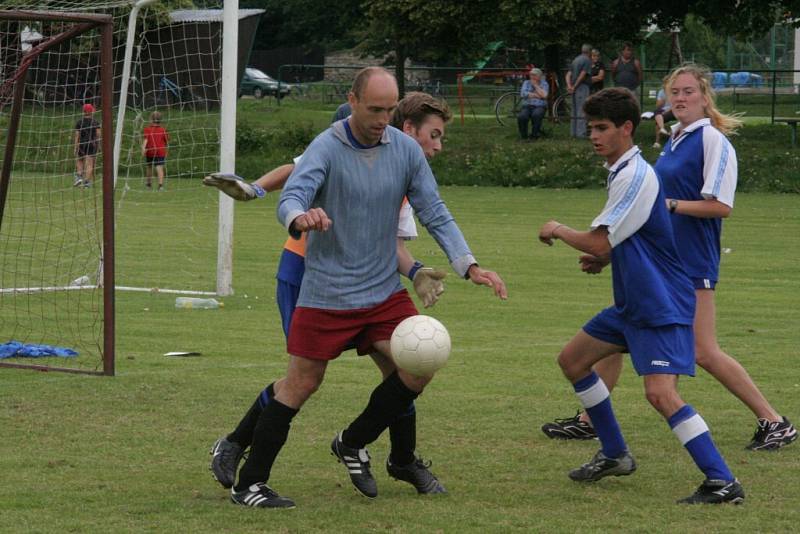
(414, 268)
(673, 205)
(260, 192)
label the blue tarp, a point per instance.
(15, 349)
(746, 79)
(719, 80)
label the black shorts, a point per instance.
(87, 149)
(154, 161)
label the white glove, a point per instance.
(428, 285)
(234, 186)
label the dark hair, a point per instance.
(616, 104)
(363, 76)
(416, 107)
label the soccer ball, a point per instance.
(420, 345)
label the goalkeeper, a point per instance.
(411, 117)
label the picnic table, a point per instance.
(791, 122)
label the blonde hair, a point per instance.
(727, 124)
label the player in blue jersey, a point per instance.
(698, 169)
(653, 308)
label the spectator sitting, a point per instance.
(534, 105)
(662, 115)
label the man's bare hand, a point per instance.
(313, 219)
(592, 264)
(546, 232)
(488, 278)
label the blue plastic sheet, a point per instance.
(15, 349)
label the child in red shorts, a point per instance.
(154, 149)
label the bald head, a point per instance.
(373, 100)
(364, 75)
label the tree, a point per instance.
(448, 31)
(306, 23)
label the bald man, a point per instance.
(351, 293)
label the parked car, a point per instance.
(258, 84)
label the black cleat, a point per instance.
(571, 428)
(225, 458)
(716, 492)
(601, 466)
(771, 436)
(417, 474)
(259, 495)
(357, 463)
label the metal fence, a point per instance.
(769, 94)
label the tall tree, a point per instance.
(307, 23)
(448, 31)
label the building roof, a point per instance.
(208, 15)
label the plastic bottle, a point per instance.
(191, 303)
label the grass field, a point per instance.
(130, 453)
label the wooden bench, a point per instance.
(792, 122)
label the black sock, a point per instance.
(269, 436)
(388, 401)
(403, 435)
(243, 435)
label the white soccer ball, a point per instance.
(420, 345)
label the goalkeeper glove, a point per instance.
(234, 186)
(427, 283)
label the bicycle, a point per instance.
(561, 111)
(507, 107)
(561, 105)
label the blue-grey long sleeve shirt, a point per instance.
(354, 264)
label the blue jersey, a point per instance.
(651, 288)
(698, 164)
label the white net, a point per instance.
(51, 238)
(167, 229)
(51, 252)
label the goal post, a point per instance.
(174, 68)
(62, 28)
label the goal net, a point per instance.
(166, 239)
(56, 240)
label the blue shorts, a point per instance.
(704, 283)
(291, 269)
(286, 296)
(667, 349)
(154, 161)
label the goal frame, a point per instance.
(83, 22)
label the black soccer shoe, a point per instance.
(771, 436)
(259, 495)
(571, 428)
(601, 466)
(357, 463)
(417, 474)
(225, 458)
(716, 492)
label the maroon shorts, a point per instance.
(320, 334)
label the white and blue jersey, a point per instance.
(651, 288)
(698, 163)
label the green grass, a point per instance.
(482, 152)
(130, 453)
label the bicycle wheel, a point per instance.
(562, 109)
(506, 108)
